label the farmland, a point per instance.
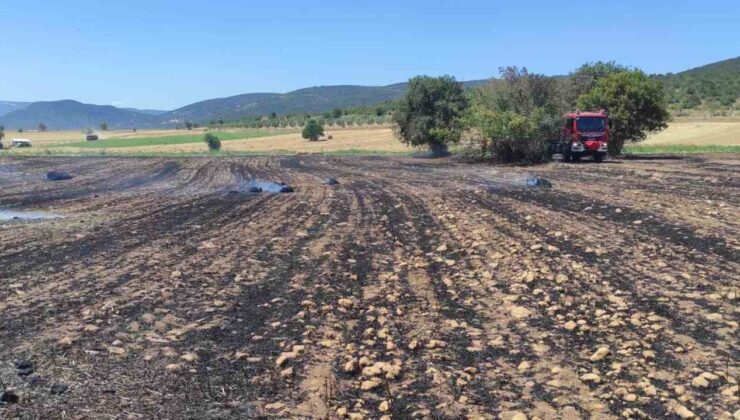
(682, 136)
(414, 288)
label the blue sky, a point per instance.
(166, 54)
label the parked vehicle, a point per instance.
(584, 134)
(20, 143)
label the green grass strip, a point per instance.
(171, 139)
(680, 149)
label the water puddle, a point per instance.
(26, 215)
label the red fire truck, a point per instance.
(584, 134)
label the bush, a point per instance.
(430, 113)
(213, 142)
(514, 119)
(312, 130)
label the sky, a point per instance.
(166, 54)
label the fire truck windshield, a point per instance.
(586, 124)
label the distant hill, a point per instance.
(68, 114)
(312, 100)
(715, 84)
(7, 106)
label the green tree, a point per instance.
(635, 103)
(104, 125)
(584, 78)
(42, 127)
(312, 130)
(213, 142)
(337, 113)
(430, 113)
(2, 133)
(188, 125)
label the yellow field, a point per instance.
(376, 139)
(700, 133)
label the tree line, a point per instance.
(517, 117)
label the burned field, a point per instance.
(171, 288)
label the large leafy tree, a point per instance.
(430, 113)
(585, 78)
(635, 103)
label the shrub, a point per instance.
(213, 142)
(514, 119)
(312, 130)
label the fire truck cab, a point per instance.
(584, 134)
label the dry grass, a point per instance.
(697, 133)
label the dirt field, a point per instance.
(413, 289)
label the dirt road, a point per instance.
(413, 289)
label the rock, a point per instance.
(591, 377)
(117, 351)
(255, 189)
(513, 415)
(630, 398)
(285, 357)
(173, 367)
(684, 412)
(570, 325)
(351, 366)
(176, 274)
(369, 384)
(286, 189)
(600, 354)
(413, 344)
(520, 312)
(287, 373)
(9, 397)
(524, 366)
(331, 181)
(536, 181)
(345, 303)
(433, 344)
(58, 176)
(189, 357)
(700, 382)
(59, 389)
(384, 406)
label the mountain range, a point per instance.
(70, 114)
